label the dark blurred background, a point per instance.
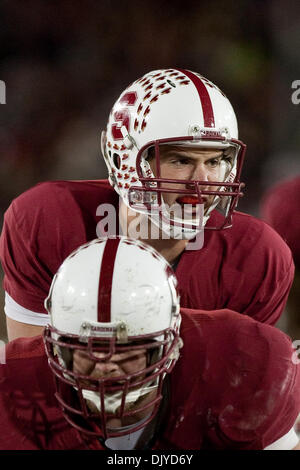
(65, 62)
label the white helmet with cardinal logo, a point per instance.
(171, 107)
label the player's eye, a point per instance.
(228, 159)
(214, 162)
(180, 161)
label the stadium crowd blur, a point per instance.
(64, 63)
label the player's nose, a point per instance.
(200, 172)
(105, 369)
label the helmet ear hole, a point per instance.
(150, 154)
(65, 355)
(117, 160)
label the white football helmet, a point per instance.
(164, 107)
(111, 295)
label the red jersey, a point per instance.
(280, 208)
(247, 268)
(234, 386)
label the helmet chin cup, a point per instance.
(176, 221)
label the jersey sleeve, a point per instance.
(20, 314)
(280, 208)
(261, 389)
(40, 229)
(259, 273)
(30, 416)
(25, 277)
(248, 391)
(286, 442)
(247, 268)
(276, 277)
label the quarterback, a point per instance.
(121, 367)
(174, 160)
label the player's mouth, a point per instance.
(190, 205)
(192, 200)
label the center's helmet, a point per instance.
(178, 107)
(112, 295)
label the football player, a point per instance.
(286, 221)
(132, 371)
(174, 161)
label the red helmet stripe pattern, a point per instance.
(208, 112)
(105, 279)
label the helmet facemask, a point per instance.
(199, 198)
(106, 399)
